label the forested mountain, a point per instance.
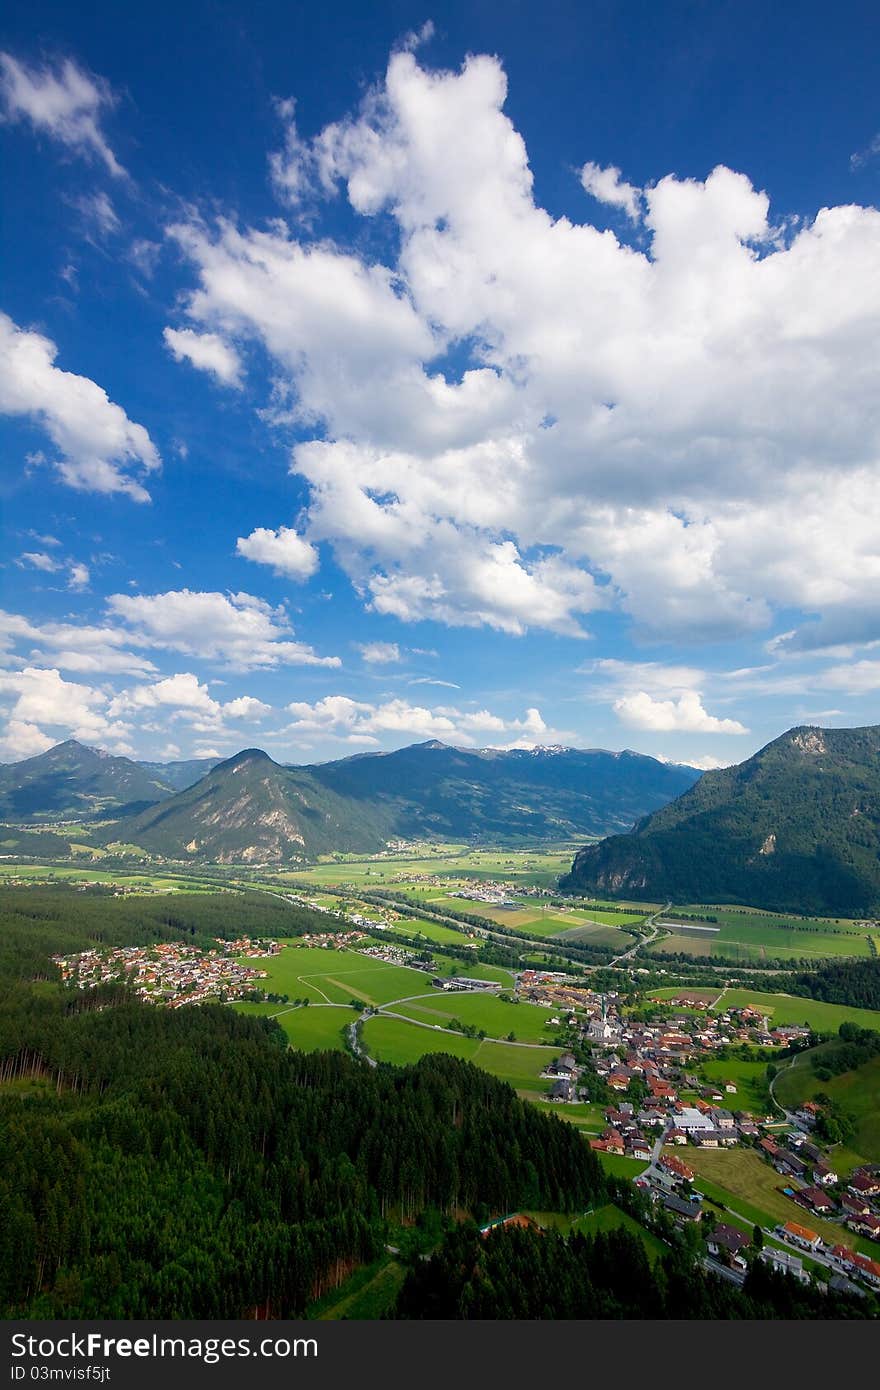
(431, 789)
(177, 776)
(795, 828)
(76, 782)
(250, 807)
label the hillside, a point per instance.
(431, 789)
(252, 809)
(71, 781)
(795, 828)
(177, 776)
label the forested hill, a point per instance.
(73, 781)
(491, 794)
(187, 1163)
(795, 828)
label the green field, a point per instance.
(583, 1114)
(790, 1008)
(394, 1040)
(135, 881)
(750, 935)
(432, 931)
(619, 1166)
(750, 1079)
(540, 868)
(526, 1021)
(602, 1219)
(336, 977)
(857, 1092)
(317, 1028)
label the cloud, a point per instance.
(66, 104)
(38, 560)
(183, 697)
(684, 715)
(707, 763)
(285, 550)
(78, 578)
(95, 437)
(36, 698)
(206, 351)
(429, 680)
(73, 647)
(341, 717)
(246, 707)
(379, 653)
(23, 740)
(652, 676)
(98, 213)
(239, 629)
(607, 186)
(628, 428)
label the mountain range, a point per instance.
(795, 828)
(250, 807)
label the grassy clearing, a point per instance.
(393, 1040)
(317, 1028)
(528, 1022)
(750, 1079)
(337, 977)
(857, 1092)
(583, 1115)
(607, 1218)
(369, 1293)
(621, 1167)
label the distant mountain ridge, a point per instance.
(254, 808)
(71, 781)
(795, 828)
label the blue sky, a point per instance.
(499, 373)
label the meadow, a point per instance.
(856, 1092)
(748, 934)
(328, 976)
(394, 1040)
(317, 1028)
(791, 1008)
(528, 1022)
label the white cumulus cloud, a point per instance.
(97, 441)
(206, 351)
(284, 550)
(684, 715)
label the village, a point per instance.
(171, 973)
(662, 1107)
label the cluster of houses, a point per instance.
(170, 973)
(854, 1202)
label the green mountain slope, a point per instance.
(795, 828)
(431, 789)
(177, 776)
(71, 781)
(250, 809)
